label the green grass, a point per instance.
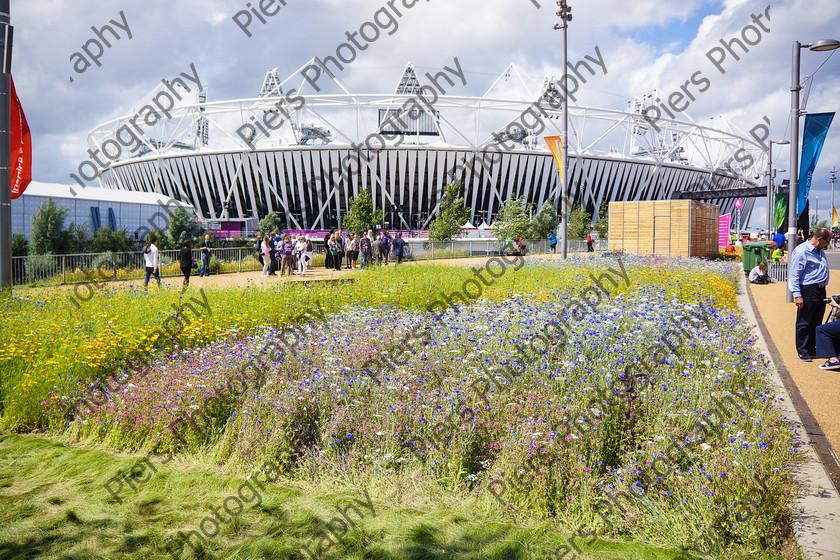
(53, 505)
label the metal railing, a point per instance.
(778, 271)
(52, 270)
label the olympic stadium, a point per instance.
(305, 153)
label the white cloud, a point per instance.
(486, 35)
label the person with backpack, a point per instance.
(152, 258)
(206, 254)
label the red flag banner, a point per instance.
(21, 145)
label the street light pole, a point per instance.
(5, 149)
(770, 192)
(771, 188)
(794, 152)
(565, 13)
(795, 87)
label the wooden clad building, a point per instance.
(684, 228)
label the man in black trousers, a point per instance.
(807, 281)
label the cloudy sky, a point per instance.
(646, 45)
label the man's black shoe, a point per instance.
(806, 358)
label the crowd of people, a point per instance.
(293, 254)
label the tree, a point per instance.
(545, 222)
(580, 223)
(817, 224)
(77, 238)
(181, 227)
(48, 229)
(20, 246)
(513, 219)
(270, 223)
(602, 226)
(451, 215)
(362, 216)
(106, 241)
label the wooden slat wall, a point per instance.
(664, 227)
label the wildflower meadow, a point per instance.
(524, 405)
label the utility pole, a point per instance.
(5, 150)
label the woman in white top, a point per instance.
(300, 253)
(265, 249)
(152, 257)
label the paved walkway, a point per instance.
(811, 399)
(255, 278)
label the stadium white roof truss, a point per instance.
(282, 117)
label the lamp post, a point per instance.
(5, 154)
(795, 87)
(818, 209)
(771, 191)
(565, 14)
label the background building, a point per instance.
(93, 207)
(304, 155)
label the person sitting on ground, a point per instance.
(758, 275)
(828, 337)
(779, 256)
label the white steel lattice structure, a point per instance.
(304, 155)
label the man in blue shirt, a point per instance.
(398, 248)
(780, 240)
(806, 281)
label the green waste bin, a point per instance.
(756, 252)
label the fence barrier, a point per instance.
(778, 272)
(53, 270)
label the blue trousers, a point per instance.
(205, 265)
(828, 340)
(149, 272)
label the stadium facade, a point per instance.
(304, 155)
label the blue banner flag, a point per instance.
(813, 138)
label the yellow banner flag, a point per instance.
(834, 221)
(555, 144)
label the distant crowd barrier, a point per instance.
(54, 270)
